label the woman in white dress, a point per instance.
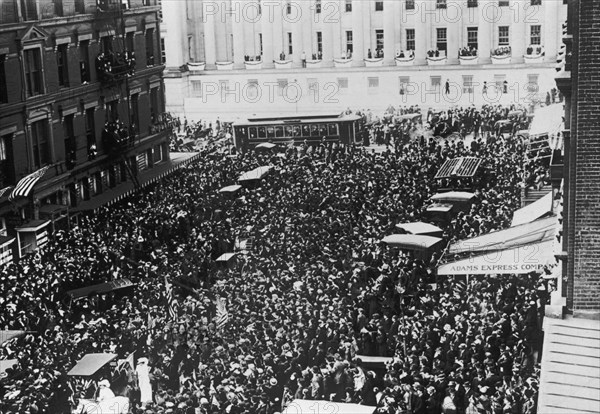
(143, 374)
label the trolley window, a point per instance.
(288, 131)
(279, 132)
(270, 132)
(305, 131)
(333, 129)
(314, 130)
(262, 132)
(253, 133)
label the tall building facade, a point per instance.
(570, 374)
(81, 89)
(220, 52)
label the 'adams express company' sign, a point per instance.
(521, 260)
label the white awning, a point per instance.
(419, 227)
(520, 260)
(255, 174)
(411, 241)
(533, 211)
(547, 120)
(534, 232)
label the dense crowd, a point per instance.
(315, 292)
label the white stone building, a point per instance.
(246, 56)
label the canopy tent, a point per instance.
(411, 241)
(265, 145)
(230, 189)
(420, 228)
(100, 288)
(534, 211)
(26, 184)
(453, 196)
(319, 406)
(464, 167)
(534, 232)
(90, 364)
(6, 336)
(520, 260)
(547, 120)
(256, 174)
(6, 364)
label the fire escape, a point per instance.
(115, 65)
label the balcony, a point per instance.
(534, 54)
(468, 56)
(111, 66)
(116, 137)
(501, 55)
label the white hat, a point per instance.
(104, 383)
(142, 361)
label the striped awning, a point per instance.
(459, 167)
(25, 186)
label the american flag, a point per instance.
(222, 316)
(26, 184)
(171, 305)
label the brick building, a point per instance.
(80, 95)
(570, 378)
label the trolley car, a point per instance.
(297, 129)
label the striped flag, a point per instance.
(24, 187)
(171, 305)
(222, 316)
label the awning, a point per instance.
(6, 336)
(520, 260)
(230, 189)
(547, 120)
(32, 226)
(90, 364)
(411, 241)
(420, 227)
(26, 184)
(255, 174)
(459, 196)
(408, 117)
(465, 167)
(318, 406)
(265, 145)
(100, 288)
(533, 211)
(534, 232)
(6, 364)
(225, 257)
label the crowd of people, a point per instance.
(316, 291)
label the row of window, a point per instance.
(289, 131)
(14, 11)
(34, 67)
(410, 5)
(343, 84)
(535, 38)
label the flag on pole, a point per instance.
(24, 187)
(170, 299)
(222, 316)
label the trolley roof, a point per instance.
(295, 119)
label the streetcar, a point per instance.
(345, 129)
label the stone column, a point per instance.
(210, 52)
(266, 28)
(237, 28)
(485, 37)
(358, 45)
(389, 32)
(175, 39)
